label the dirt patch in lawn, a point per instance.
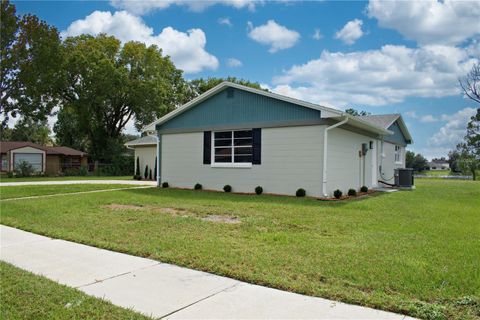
(175, 212)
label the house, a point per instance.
(245, 137)
(145, 151)
(438, 164)
(44, 159)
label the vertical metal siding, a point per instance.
(243, 109)
(397, 136)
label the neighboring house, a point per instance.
(51, 160)
(438, 164)
(246, 137)
(145, 150)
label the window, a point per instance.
(232, 148)
(398, 154)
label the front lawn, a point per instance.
(4, 178)
(27, 296)
(28, 191)
(413, 252)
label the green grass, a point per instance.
(27, 296)
(27, 191)
(436, 173)
(4, 178)
(413, 252)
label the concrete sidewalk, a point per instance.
(63, 182)
(163, 290)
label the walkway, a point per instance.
(62, 182)
(164, 290)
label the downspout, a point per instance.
(325, 150)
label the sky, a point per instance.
(381, 57)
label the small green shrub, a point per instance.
(24, 169)
(352, 192)
(137, 177)
(150, 177)
(364, 189)
(10, 174)
(165, 184)
(197, 186)
(337, 194)
(301, 192)
(258, 190)
(145, 174)
(227, 188)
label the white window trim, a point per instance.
(213, 164)
(399, 155)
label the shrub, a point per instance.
(137, 170)
(145, 174)
(150, 175)
(301, 193)
(137, 177)
(352, 192)
(337, 194)
(71, 172)
(364, 189)
(227, 188)
(83, 171)
(24, 169)
(258, 190)
(165, 184)
(197, 186)
(10, 174)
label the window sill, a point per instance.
(231, 165)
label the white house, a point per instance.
(246, 137)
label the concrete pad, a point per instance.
(70, 263)
(159, 290)
(11, 236)
(247, 301)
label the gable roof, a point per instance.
(65, 151)
(386, 120)
(6, 146)
(326, 112)
(143, 141)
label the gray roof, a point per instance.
(381, 120)
(146, 140)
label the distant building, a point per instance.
(439, 164)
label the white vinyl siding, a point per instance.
(398, 154)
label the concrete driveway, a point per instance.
(63, 182)
(164, 290)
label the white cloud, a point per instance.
(234, 63)
(377, 77)
(143, 7)
(225, 21)
(187, 49)
(453, 131)
(428, 118)
(411, 114)
(317, 35)
(429, 21)
(351, 32)
(274, 35)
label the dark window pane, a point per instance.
(243, 134)
(223, 158)
(223, 135)
(223, 151)
(243, 159)
(243, 142)
(243, 150)
(223, 143)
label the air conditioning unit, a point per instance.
(404, 178)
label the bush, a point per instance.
(364, 189)
(150, 175)
(337, 194)
(81, 171)
(352, 192)
(301, 193)
(145, 174)
(165, 184)
(10, 174)
(24, 169)
(227, 188)
(137, 177)
(258, 190)
(197, 186)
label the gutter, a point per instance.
(325, 150)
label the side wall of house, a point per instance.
(345, 167)
(291, 159)
(53, 164)
(146, 155)
(386, 156)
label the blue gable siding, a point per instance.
(397, 136)
(243, 108)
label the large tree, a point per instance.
(30, 59)
(355, 112)
(201, 85)
(108, 85)
(471, 83)
(27, 129)
(469, 149)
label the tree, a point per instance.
(155, 170)
(199, 86)
(356, 113)
(145, 174)
(137, 170)
(108, 85)
(469, 150)
(453, 161)
(27, 129)
(420, 163)
(30, 59)
(410, 159)
(470, 84)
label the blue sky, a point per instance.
(382, 57)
